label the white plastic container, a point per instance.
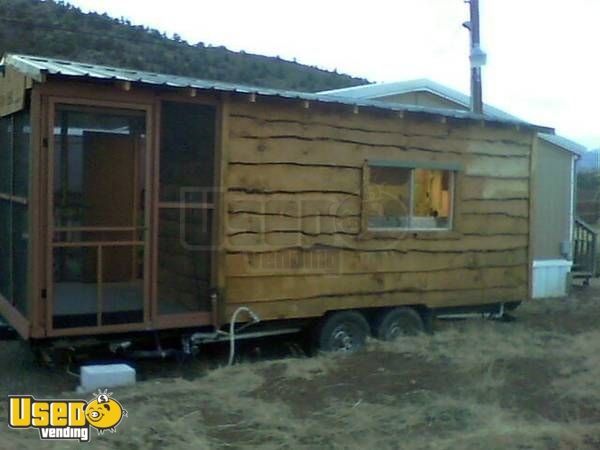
(106, 376)
(550, 278)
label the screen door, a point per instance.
(98, 217)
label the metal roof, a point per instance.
(381, 90)
(563, 142)
(38, 68)
(375, 90)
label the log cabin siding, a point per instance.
(294, 246)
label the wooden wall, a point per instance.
(293, 240)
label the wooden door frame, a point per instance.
(79, 95)
(49, 229)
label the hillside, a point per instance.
(57, 29)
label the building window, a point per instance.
(398, 196)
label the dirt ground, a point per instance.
(533, 383)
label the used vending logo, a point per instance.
(65, 419)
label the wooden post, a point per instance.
(35, 264)
(99, 286)
(219, 234)
(532, 178)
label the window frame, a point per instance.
(452, 167)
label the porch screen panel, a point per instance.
(6, 155)
(21, 139)
(186, 196)
(20, 210)
(5, 250)
(14, 208)
(5, 208)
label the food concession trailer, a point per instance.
(135, 202)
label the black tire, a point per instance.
(397, 322)
(342, 332)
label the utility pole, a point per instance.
(477, 57)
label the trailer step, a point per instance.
(582, 275)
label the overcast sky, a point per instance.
(543, 62)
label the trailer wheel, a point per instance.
(343, 332)
(397, 322)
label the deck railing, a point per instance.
(585, 241)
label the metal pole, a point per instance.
(476, 90)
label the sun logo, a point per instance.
(104, 413)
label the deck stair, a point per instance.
(585, 241)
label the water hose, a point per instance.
(255, 319)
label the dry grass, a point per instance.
(532, 384)
(310, 368)
(580, 380)
(441, 422)
(472, 344)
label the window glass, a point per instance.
(431, 199)
(409, 198)
(388, 202)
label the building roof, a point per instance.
(561, 141)
(381, 90)
(38, 68)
